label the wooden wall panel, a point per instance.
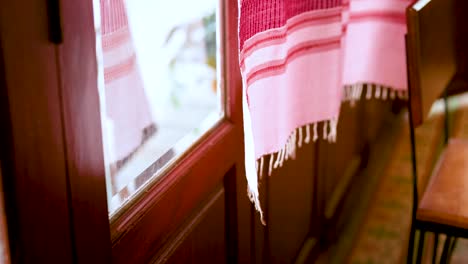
(246, 217)
(336, 157)
(290, 197)
(202, 239)
(341, 163)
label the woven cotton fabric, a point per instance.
(300, 59)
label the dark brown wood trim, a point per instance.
(33, 151)
(231, 216)
(82, 132)
(180, 235)
(342, 187)
(4, 242)
(413, 63)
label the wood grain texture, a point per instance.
(446, 195)
(83, 137)
(144, 228)
(4, 242)
(33, 151)
(342, 163)
(431, 52)
(461, 7)
(290, 199)
(201, 240)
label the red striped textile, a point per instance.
(127, 110)
(300, 59)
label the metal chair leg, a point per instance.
(445, 252)
(452, 248)
(422, 235)
(434, 250)
(409, 257)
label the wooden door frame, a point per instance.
(53, 148)
(32, 148)
(148, 224)
(78, 75)
(139, 232)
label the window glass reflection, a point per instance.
(159, 85)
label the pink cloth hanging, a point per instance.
(127, 107)
(300, 59)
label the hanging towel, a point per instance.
(128, 110)
(300, 59)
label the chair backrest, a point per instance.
(430, 49)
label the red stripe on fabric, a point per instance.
(395, 17)
(278, 66)
(113, 16)
(282, 34)
(115, 39)
(117, 71)
(259, 15)
(344, 28)
(244, 56)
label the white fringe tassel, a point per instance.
(325, 130)
(377, 91)
(354, 92)
(276, 160)
(384, 93)
(270, 167)
(254, 170)
(260, 169)
(307, 138)
(249, 153)
(369, 92)
(333, 130)
(253, 197)
(296, 140)
(315, 132)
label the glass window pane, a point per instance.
(159, 82)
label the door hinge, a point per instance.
(55, 23)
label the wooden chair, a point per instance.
(430, 48)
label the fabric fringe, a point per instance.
(303, 135)
(253, 197)
(296, 140)
(354, 93)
